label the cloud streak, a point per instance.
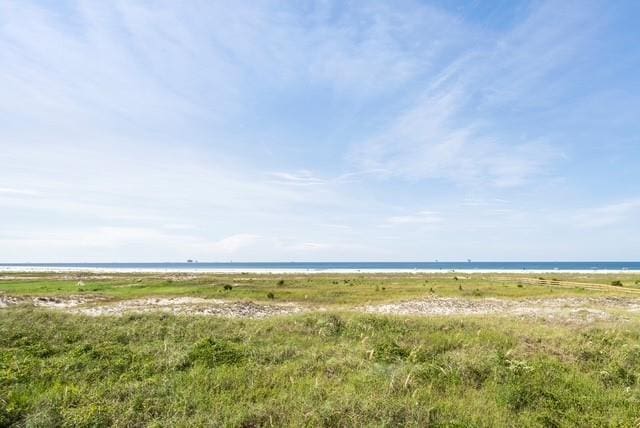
(454, 130)
(322, 129)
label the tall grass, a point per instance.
(330, 369)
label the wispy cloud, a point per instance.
(301, 178)
(453, 130)
(422, 218)
(268, 131)
(232, 244)
(21, 192)
(608, 215)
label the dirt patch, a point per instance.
(565, 309)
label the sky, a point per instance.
(138, 131)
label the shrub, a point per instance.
(389, 351)
(228, 287)
(332, 325)
(212, 352)
(616, 283)
(280, 282)
(270, 295)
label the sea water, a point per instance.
(331, 267)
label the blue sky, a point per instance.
(156, 131)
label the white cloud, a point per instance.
(450, 131)
(131, 131)
(300, 178)
(422, 217)
(20, 192)
(608, 215)
(311, 246)
(232, 244)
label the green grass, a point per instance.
(322, 369)
(311, 289)
(333, 368)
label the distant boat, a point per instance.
(189, 261)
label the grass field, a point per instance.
(314, 289)
(333, 367)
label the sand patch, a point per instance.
(174, 305)
(562, 309)
(191, 306)
(47, 302)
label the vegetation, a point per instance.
(308, 289)
(316, 369)
(323, 368)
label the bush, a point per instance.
(281, 283)
(228, 287)
(389, 351)
(616, 283)
(270, 295)
(332, 325)
(212, 352)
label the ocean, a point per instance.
(330, 267)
